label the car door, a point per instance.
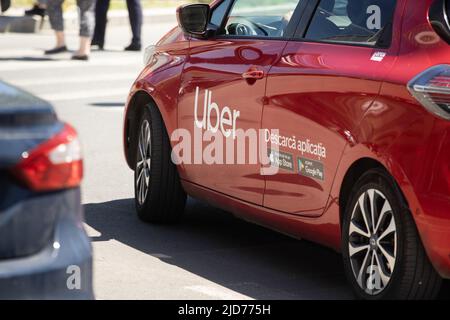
(319, 90)
(223, 88)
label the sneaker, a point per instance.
(35, 11)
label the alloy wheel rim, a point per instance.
(144, 161)
(373, 242)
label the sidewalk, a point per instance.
(15, 21)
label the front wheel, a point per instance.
(383, 255)
(159, 196)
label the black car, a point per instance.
(45, 252)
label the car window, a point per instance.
(219, 12)
(365, 22)
(259, 18)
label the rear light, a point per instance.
(432, 89)
(56, 164)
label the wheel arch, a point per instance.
(353, 173)
(137, 102)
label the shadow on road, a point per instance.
(235, 254)
(108, 104)
(28, 59)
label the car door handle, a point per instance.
(253, 74)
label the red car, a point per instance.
(326, 120)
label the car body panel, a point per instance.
(44, 271)
(409, 141)
(330, 92)
(218, 66)
(373, 117)
(164, 71)
(335, 85)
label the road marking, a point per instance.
(85, 94)
(217, 292)
(67, 64)
(82, 78)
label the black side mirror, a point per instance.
(438, 16)
(193, 19)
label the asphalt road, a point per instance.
(210, 255)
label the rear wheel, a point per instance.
(159, 196)
(383, 255)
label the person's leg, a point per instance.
(101, 14)
(55, 15)
(136, 17)
(4, 5)
(85, 48)
(86, 8)
(60, 39)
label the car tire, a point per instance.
(384, 259)
(159, 196)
